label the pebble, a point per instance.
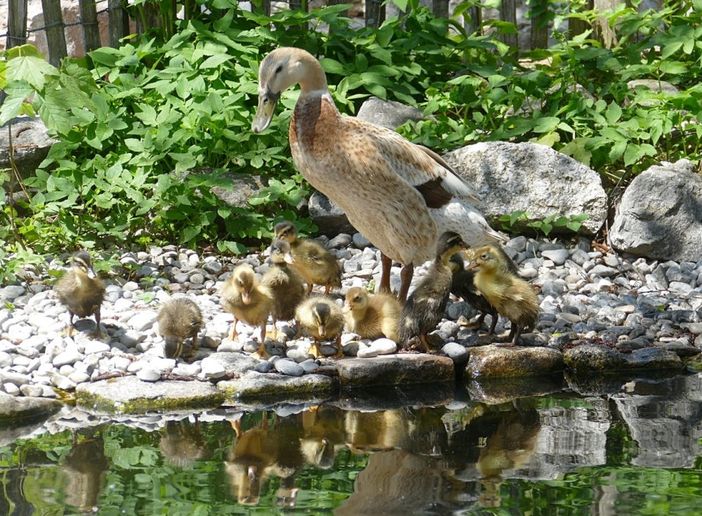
(455, 352)
(288, 367)
(11, 292)
(367, 352)
(148, 374)
(557, 256)
(66, 358)
(360, 241)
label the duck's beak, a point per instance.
(264, 112)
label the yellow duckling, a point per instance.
(425, 307)
(511, 296)
(372, 315)
(248, 301)
(179, 319)
(284, 283)
(81, 291)
(322, 319)
(312, 260)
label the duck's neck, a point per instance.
(313, 81)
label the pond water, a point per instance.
(634, 450)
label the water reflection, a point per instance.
(603, 454)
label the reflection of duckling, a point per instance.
(312, 260)
(261, 452)
(511, 296)
(425, 307)
(248, 301)
(179, 319)
(323, 435)
(372, 315)
(182, 444)
(284, 283)
(81, 291)
(322, 319)
(376, 431)
(85, 467)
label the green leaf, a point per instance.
(215, 60)
(673, 67)
(546, 124)
(401, 4)
(30, 69)
(613, 113)
(333, 66)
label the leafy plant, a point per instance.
(552, 223)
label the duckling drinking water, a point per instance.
(179, 319)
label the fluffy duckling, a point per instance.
(463, 286)
(425, 307)
(511, 296)
(179, 319)
(248, 301)
(322, 319)
(372, 315)
(81, 291)
(312, 260)
(284, 283)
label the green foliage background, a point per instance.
(146, 130)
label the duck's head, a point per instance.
(279, 70)
(449, 244)
(321, 313)
(356, 299)
(81, 262)
(280, 252)
(456, 263)
(485, 259)
(286, 231)
(244, 280)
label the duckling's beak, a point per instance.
(91, 273)
(288, 258)
(322, 330)
(246, 297)
(267, 101)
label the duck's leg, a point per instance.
(339, 350)
(233, 334)
(314, 349)
(70, 329)
(386, 265)
(98, 333)
(405, 280)
(310, 286)
(424, 343)
(517, 330)
(261, 351)
(493, 324)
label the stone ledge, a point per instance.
(512, 362)
(128, 394)
(268, 386)
(15, 411)
(394, 370)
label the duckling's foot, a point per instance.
(68, 331)
(98, 334)
(314, 350)
(261, 352)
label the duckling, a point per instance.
(511, 296)
(247, 300)
(426, 305)
(372, 315)
(81, 291)
(462, 285)
(313, 261)
(179, 319)
(284, 283)
(322, 319)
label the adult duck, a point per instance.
(399, 195)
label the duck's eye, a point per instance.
(357, 299)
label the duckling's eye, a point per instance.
(484, 257)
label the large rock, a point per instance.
(511, 362)
(532, 178)
(31, 143)
(660, 215)
(494, 391)
(328, 217)
(22, 410)
(389, 114)
(254, 386)
(238, 188)
(394, 370)
(129, 395)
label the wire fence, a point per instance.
(110, 23)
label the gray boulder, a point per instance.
(394, 370)
(238, 188)
(31, 142)
(660, 214)
(328, 217)
(532, 178)
(389, 114)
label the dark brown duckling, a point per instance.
(511, 296)
(179, 319)
(311, 260)
(81, 291)
(425, 307)
(285, 285)
(462, 286)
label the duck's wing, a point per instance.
(419, 166)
